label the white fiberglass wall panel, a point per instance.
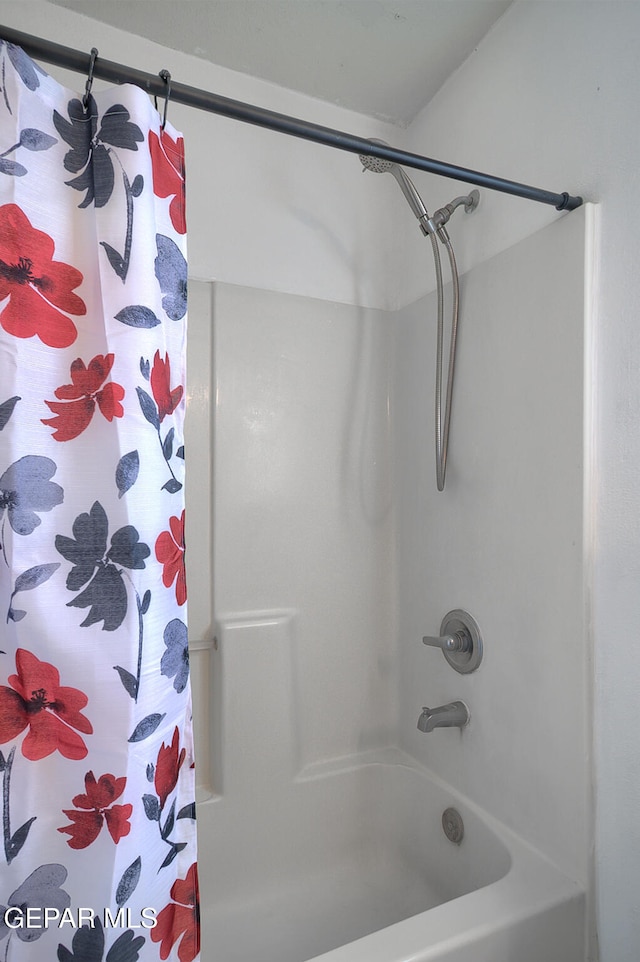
(504, 540)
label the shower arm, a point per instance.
(80, 61)
(443, 216)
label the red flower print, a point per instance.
(166, 399)
(98, 807)
(170, 554)
(79, 398)
(39, 289)
(37, 701)
(167, 159)
(168, 767)
(181, 918)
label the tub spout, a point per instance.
(454, 715)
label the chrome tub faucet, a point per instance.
(454, 715)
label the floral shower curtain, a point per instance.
(98, 857)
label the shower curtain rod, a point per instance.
(237, 110)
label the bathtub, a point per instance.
(350, 863)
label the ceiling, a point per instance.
(384, 58)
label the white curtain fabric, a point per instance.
(98, 855)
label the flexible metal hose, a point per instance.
(442, 431)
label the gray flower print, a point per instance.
(175, 661)
(39, 891)
(26, 488)
(171, 272)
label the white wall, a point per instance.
(264, 210)
(550, 97)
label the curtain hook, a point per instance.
(89, 83)
(166, 76)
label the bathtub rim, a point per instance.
(532, 884)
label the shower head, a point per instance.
(376, 164)
(407, 186)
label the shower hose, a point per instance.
(442, 427)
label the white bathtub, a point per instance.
(352, 865)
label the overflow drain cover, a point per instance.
(453, 825)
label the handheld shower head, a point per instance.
(376, 164)
(433, 227)
(407, 186)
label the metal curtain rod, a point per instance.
(214, 103)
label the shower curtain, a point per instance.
(98, 858)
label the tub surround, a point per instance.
(508, 540)
(345, 859)
(319, 671)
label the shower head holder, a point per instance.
(443, 215)
(460, 641)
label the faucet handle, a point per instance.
(459, 640)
